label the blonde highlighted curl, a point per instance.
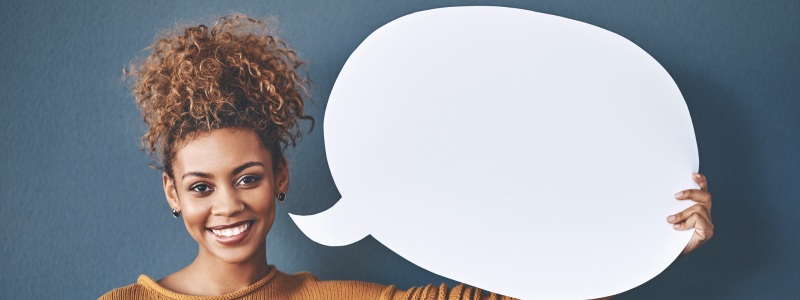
(230, 76)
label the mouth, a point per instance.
(231, 234)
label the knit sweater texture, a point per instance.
(304, 285)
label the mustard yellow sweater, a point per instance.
(279, 285)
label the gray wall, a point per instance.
(82, 213)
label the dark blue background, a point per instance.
(82, 213)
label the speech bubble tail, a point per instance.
(333, 227)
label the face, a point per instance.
(225, 188)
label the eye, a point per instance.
(248, 180)
(200, 188)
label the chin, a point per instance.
(237, 256)
(232, 255)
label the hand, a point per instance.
(698, 216)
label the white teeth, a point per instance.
(227, 232)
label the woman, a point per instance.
(221, 105)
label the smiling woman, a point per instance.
(221, 105)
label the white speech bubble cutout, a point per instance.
(523, 153)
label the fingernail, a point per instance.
(696, 175)
(671, 218)
(679, 194)
(676, 226)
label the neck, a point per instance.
(210, 276)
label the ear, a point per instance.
(282, 176)
(171, 192)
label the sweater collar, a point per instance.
(152, 285)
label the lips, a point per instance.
(231, 234)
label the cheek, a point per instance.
(262, 203)
(195, 216)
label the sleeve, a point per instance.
(431, 292)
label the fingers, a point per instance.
(698, 216)
(703, 231)
(701, 180)
(684, 216)
(694, 195)
(702, 197)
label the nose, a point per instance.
(227, 203)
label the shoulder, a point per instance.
(305, 285)
(133, 291)
(461, 291)
(140, 290)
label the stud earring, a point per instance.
(176, 213)
(281, 196)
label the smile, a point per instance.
(232, 234)
(232, 231)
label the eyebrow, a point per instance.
(198, 174)
(235, 171)
(245, 166)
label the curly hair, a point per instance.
(230, 76)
